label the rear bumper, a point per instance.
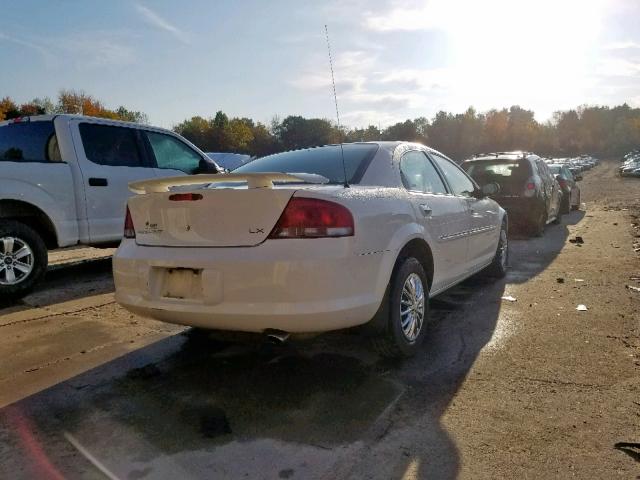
(298, 286)
(521, 210)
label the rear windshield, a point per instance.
(555, 169)
(325, 161)
(509, 174)
(29, 142)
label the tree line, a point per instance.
(602, 131)
(598, 130)
(68, 101)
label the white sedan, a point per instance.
(339, 236)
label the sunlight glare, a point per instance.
(548, 44)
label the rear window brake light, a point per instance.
(19, 120)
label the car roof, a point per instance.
(70, 116)
(389, 145)
(515, 155)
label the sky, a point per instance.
(393, 59)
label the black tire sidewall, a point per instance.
(539, 223)
(40, 258)
(405, 268)
(496, 269)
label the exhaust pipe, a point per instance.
(277, 337)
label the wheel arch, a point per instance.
(419, 249)
(32, 216)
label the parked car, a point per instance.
(568, 184)
(229, 161)
(362, 233)
(528, 190)
(64, 181)
(630, 166)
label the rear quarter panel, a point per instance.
(384, 223)
(48, 186)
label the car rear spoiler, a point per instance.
(254, 180)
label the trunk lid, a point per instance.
(219, 218)
(171, 212)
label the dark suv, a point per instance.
(528, 191)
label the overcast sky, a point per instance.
(394, 59)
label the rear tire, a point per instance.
(23, 259)
(408, 304)
(539, 223)
(558, 219)
(565, 205)
(577, 205)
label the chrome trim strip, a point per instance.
(466, 233)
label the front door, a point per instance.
(481, 215)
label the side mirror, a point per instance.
(577, 178)
(490, 189)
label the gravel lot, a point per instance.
(526, 389)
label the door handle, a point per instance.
(98, 182)
(426, 209)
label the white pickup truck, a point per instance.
(64, 181)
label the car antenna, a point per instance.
(335, 98)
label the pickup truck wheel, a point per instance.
(500, 263)
(23, 259)
(408, 308)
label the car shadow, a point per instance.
(64, 283)
(193, 406)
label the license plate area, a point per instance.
(181, 283)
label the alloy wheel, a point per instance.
(412, 303)
(16, 260)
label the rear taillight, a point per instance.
(185, 197)
(562, 182)
(530, 186)
(313, 218)
(129, 230)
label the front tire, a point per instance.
(408, 303)
(500, 263)
(23, 259)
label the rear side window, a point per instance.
(29, 142)
(172, 153)
(325, 161)
(110, 145)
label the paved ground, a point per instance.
(524, 389)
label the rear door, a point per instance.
(110, 155)
(482, 215)
(443, 216)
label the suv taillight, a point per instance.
(562, 182)
(313, 218)
(530, 186)
(129, 230)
